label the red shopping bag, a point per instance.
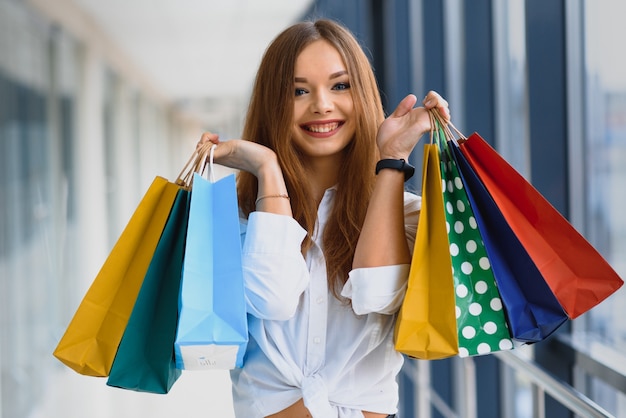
(577, 274)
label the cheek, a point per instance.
(348, 107)
(299, 110)
(350, 112)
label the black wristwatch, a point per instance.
(399, 165)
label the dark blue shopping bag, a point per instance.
(212, 325)
(533, 312)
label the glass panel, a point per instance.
(523, 397)
(36, 125)
(510, 84)
(605, 395)
(26, 214)
(606, 153)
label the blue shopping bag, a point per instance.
(533, 312)
(212, 326)
(145, 357)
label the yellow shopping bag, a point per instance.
(426, 325)
(91, 340)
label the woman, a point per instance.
(327, 241)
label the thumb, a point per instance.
(405, 106)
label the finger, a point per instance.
(405, 106)
(433, 99)
(208, 137)
(444, 111)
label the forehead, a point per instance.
(319, 55)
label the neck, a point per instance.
(324, 173)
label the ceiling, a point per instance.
(201, 54)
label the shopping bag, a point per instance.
(577, 274)
(481, 322)
(145, 357)
(426, 323)
(533, 312)
(212, 326)
(92, 337)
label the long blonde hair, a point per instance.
(269, 122)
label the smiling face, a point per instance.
(324, 122)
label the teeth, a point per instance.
(323, 128)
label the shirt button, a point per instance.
(317, 340)
(319, 300)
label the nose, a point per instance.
(321, 103)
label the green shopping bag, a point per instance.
(481, 322)
(145, 357)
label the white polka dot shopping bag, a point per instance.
(481, 322)
(533, 312)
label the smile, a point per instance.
(322, 128)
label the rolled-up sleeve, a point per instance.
(377, 289)
(382, 289)
(275, 272)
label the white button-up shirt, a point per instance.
(304, 343)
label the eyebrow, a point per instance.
(332, 76)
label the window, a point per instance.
(605, 156)
(604, 162)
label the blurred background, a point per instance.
(99, 97)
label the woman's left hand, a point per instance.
(400, 132)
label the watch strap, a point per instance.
(400, 165)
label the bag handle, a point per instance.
(200, 158)
(450, 131)
(438, 130)
(211, 167)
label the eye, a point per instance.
(300, 91)
(341, 86)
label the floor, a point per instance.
(199, 394)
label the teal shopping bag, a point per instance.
(145, 357)
(212, 326)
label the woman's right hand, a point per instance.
(259, 161)
(241, 154)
